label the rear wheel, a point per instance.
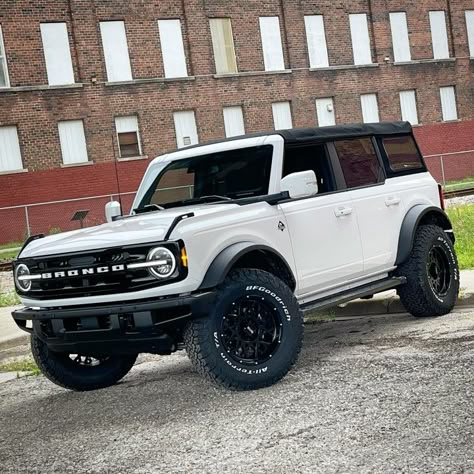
(80, 372)
(253, 335)
(432, 274)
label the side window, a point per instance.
(402, 153)
(312, 157)
(359, 162)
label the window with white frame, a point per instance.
(172, 48)
(10, 154)
(316, 40)
(448, 103)
(470, 31)
(128, 136)
(408, 106)
(439, 35)
(282, 115)
(114, 42)
(234, 121)
(4, 79)
(360, 38)
(400, 38)
(73, 142)
(223, 45)
(57, 53)
(325, 111)
(271, 43)
(185, 128)
(370, 108)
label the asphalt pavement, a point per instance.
(373, 394)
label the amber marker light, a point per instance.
(184, 257)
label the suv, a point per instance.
(225, 247)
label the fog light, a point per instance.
(22, 274)
(165, 262)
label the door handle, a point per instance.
(342, 211)
(392, 201)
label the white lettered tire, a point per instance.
(253, 335)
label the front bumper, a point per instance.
(143, 326)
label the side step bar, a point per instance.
(354, 293)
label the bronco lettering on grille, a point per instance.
(82, 272)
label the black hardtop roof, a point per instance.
(296, 136)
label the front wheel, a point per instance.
(432, 274)
(253, 335)
(80, 372)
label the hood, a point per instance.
(142, 228)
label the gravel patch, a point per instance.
(459, 201)
(6, 282)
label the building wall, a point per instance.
(36, 108)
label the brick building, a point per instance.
(90, 91)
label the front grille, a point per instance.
(110, 282)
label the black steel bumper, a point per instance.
(141, 326)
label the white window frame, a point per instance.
(282, 119)
(3, 61)
(221, 48)
(172, 48)
(316, 41)
(234, 123)
(117, 70)
(469, 14)
(370, 108)
(191, 133)
(272, 46)
(449, 108)
(408, 106)
(78, 150)
(57, 53)
(13, 150)
(400, 37)
(439, 34)
(120, 127)
(322, 107)
(360, 37)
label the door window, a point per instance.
(402, 153)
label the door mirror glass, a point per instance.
(112, 211)
(301, 184)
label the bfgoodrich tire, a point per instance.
(80, 373)
(253, 335)
(432, 274)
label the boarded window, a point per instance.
(360, 39)
(172, 48)
(325, 112)
(282, 115)
(223, 45)
(57, 53)
(359, 162)
(402, 153)
(316, 39)
(408, 107)
(185, 127)
(470, 31)
(370, 108)
(448, 103)
(233, 121)
(128, 136)
(439, 35)
(4, 80)
(10, 155)
(114, 42)
(271, 43)
(400, 39)
(73, 142)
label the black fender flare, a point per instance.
(411, 222)
(226, 259)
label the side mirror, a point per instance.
(301, 184)
(112, 210)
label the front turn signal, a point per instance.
(184, 257)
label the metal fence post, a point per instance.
(27, 217)
(442, 170)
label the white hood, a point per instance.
(139, 229)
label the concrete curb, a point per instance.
(7, 344)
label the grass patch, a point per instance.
(11, 245)
(11, 255)
(462, 218)
(9, 299)
(459, 184)
(22, 365)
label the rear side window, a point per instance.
(359, 162)
(402, 153)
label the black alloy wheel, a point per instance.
(439, 274)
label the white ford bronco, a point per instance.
(227, 244)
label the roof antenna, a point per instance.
(116, 172)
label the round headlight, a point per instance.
(165, 262)
(22, 271)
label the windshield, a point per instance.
(233, 174)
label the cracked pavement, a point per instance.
(374, 394)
